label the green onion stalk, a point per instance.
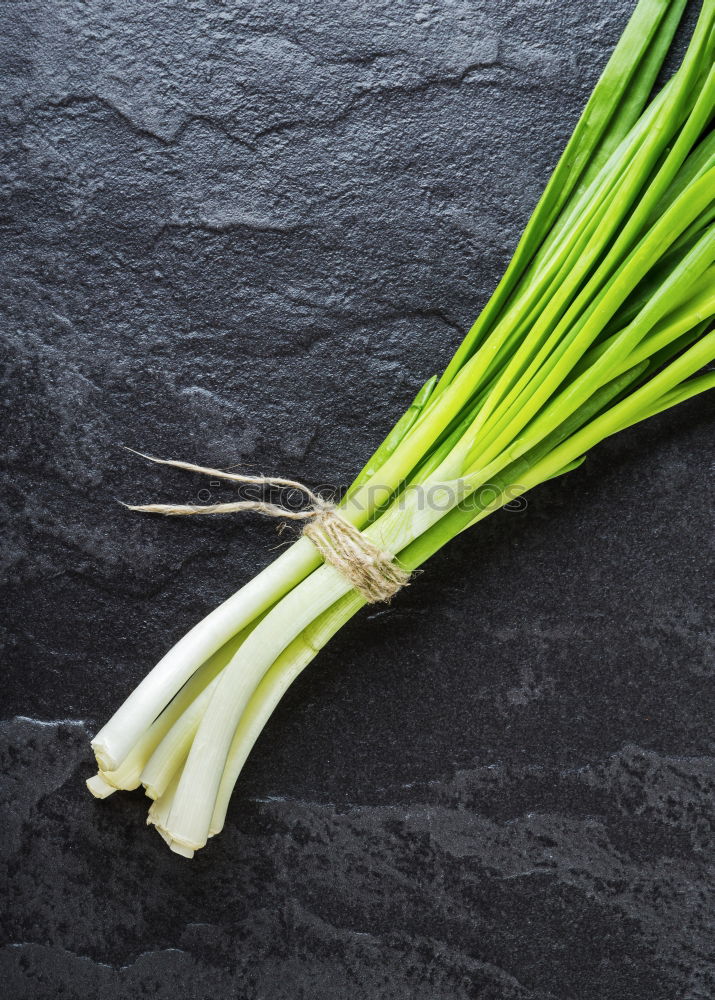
(602, 319)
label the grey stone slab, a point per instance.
(248, 233)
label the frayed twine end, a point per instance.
(372, 571)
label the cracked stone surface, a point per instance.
(247, 233)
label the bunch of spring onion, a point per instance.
(602, 319)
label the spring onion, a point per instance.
(602, 319)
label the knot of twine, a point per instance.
(372, 571)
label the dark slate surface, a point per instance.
(248, 232)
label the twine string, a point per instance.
(369, 569)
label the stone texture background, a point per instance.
(247, 233)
